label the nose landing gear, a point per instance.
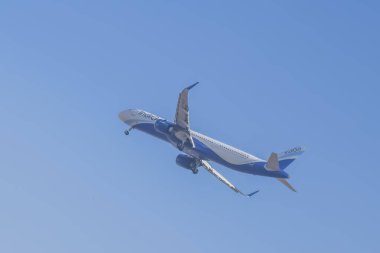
(126, 132)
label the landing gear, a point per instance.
(181, 146)
(194, 168)
(126, 132)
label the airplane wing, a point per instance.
(208, 167)
(182, 115)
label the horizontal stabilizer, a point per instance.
(273, 164)
(286, 183)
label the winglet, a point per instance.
(253, 193)
(191, 86)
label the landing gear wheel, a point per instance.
(127, 131)
(195, 171)
(180, 146)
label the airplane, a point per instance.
(199, 150)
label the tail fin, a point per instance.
(278, 162)
(287, 157)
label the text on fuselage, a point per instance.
(148, 115)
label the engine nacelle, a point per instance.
(162, 126)
(187, 162)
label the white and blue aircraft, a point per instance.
(200, 150)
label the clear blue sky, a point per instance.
(274, 74)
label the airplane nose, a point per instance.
(124, 116)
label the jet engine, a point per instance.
(163, 126)
(188, 162)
